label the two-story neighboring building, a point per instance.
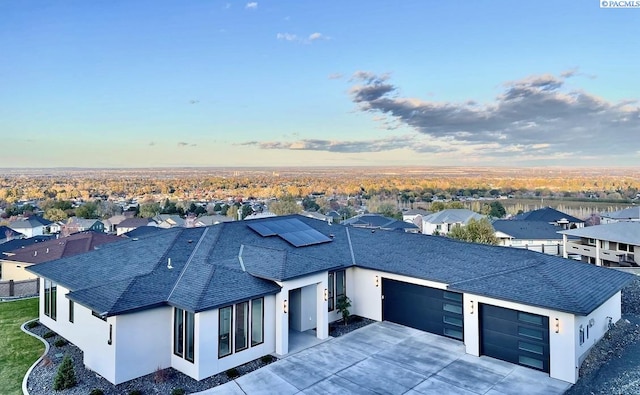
(32, 226)
(613, 244)
(531, 235)
(626, 215)
(551, 216)
(442, 222)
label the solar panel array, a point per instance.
(292, 230)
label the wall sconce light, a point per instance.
(377, 281)
(285, 306)
(557, 325)
(326, 295)
(471, 307)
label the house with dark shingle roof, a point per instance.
(627, 214)
(8, 234)
(130, 224)
(31, 226)
(14, 262)
(204, 300)
(614, 244)
(537, 236)
(551, 216)
(377, 221)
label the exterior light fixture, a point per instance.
(557, 325)
(377, 281)
(285, 306)
(471, 307)
(326, 295)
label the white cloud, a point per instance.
(315, 36)
(287, 37)
(251, 6)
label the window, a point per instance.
(337, 287)
(530, 318)
(257, 320)
(452, 308)
(71, 311)
(183, 334)
(532, 348)
(234, 335)
(591, 242)
(581, 335)
(530, 333)
(224, 331)
(50, 293)
(242, 326)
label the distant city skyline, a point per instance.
(315, 83)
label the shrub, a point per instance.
(96, 391)
(32, 324)
(66, 376)
(49, 334)
(342, 305)
(60, 343)
(232, 373)
(177, 391)
(266, 358)
(135, 392)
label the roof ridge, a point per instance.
(131, 280)
(506, 271)
(208, 260)
(186, 265)
(353, 257)
(554, 283)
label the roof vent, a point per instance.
(47, 250)
(169, 263)
(134, 239)
(332, 235)
(189, 241)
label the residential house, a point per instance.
(111, 223)
(130, 224)
(19, 243)
(76, 224)
(537, 236)
(442, 222)
(208, 220)
(167, 221)
(56, 227)
(217, 297)
(142, 232)
(317, 215)
(15, 262)
(613, 244)
(8, 234)
(627, 214)
(31, 226)
(377, 221)
(415, 216)
(552, 216)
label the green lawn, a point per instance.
(18, 351)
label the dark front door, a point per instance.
(515, 336)
(425, 308)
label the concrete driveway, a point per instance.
(386, 358)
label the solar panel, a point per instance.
(292, 230)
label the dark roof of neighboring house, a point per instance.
(452, 216)
(229, 262)
(134, 222)
(143, 231)
(52, 249)
(377, 221)
(33, 221)
(546, 214)
(620, 232)
(5, 230)
(417, 211)
(528, 230)
(627, 213)
(19, 243)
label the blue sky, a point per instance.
(318, 83)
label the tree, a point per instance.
(286, 205)
(66, 376)
(496, 210)
(55, 214)
(309, 204)
(87, 210)
(245, 211)
(476, 231)
(149, 210)
(342, 305)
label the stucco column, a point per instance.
(598, 260)
(564, 246)
(282, 322)
(322, 313)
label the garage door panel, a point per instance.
(515, 336)
(425, 308)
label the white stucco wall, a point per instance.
(207, 362)
(611, 308)
(88, 332)
(143, 342)
(309, 301)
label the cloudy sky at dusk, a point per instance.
(318, 83)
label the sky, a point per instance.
(318, 83)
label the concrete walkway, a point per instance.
(386, 358)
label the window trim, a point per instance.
(245, 323)
(50, 299)
(251, 342)
(332, 287)
(229, 333)
(71, 311)
(184, 346)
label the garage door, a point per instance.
(428, 309)
(515, 336)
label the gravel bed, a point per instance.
(612, 364)
(40, 381)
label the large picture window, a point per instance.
(183, 334)
(50, 297)
(240, 326)
(336, 288)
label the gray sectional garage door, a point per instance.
(515, 336)
(428, 309)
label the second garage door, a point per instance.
(425, 308)
(515, 336)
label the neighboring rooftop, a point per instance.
(33, 221)
(546, 214)
(627, 214)
(620, 232)
(20, 243)
(452, 216)
(377, 221)
(527, 230)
